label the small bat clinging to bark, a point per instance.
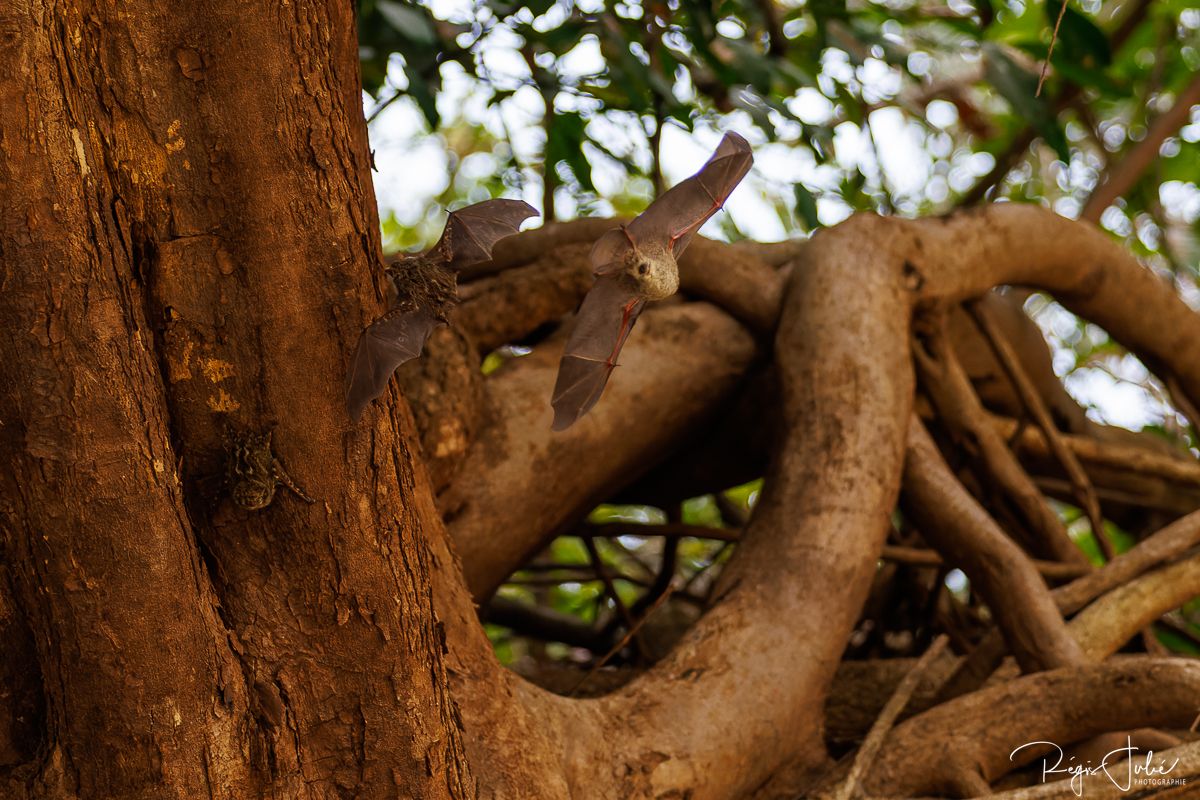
(253, 472)
(636, 263)
(425, 286)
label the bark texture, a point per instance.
(187, 249)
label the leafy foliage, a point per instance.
(824, 80)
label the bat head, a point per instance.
(422, 281)
(399, 265)
(647, 267)
(653, 270)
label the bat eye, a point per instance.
(643, 268)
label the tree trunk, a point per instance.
(190, 246)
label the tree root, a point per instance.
(738, 679)
(960, 410)
(951, 521)
(1061, 706)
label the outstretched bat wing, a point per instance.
(675, 216)
(472, 232)
(388, 342)
(604, 321)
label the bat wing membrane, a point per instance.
(612, 306)
(472, 232)
(605, 319)
(388, 342)
(679, 212)
(608, 253)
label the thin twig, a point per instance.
(632, 559)
(666, 573)
(960, 410)
(545, 624)
(624, 641)
(1099, 452)
(379, 109)
(956, 524)
(1062, 10)
(674, 530)
(656, 173)
(547, 92)
(1134, 162)
(1081, 485)
(1138, 498)
(887, 718)
(1163, 546)
(551, 580)
(550, 567)
(1184, 404)
(1006, 160)
(921, 557)
(907, 555)
(1180, 628)
(610, 589)
(712, 562)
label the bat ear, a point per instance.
(609, 251)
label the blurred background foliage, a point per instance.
(900, 107)
(603, 83)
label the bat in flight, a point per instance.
(636, 263)
(425, 289)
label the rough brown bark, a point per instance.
(189, 242)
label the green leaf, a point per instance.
(1177, 642)
(1088, 77)
(1018, 87)
(568, 550)
(411, 23)
(565, 144)
(701, 511)
(806, 207)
